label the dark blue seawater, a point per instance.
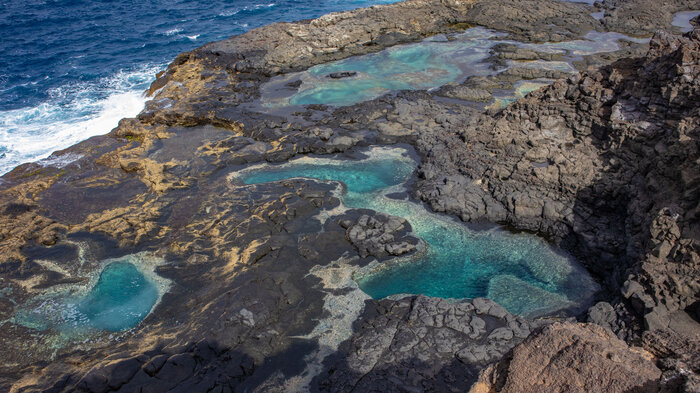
(70, 69)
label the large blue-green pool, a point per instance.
(522, 272)
(120, 299)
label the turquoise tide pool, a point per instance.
(522, 272)
(119, 300)
(425, 65)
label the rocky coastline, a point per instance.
(603, 163)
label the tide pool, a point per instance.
(120, 298)
(425, 65)
(682, 20)
(522, 272)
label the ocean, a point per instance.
(71, 69)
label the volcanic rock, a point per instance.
(565, 357)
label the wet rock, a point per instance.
(294, 84)
(341, 75)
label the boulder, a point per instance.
(568, 357)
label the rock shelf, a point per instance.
(601, 163)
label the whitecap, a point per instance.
(247, 8)
(72, 114)
(230, 12)
(172, 32)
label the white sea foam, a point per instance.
(247, 8)
(172, 32)
(60, 160)
(72, 114)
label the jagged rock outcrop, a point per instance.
(679, 356)
(556, 20)
(643, 17)
(603, 162)
(380, 235)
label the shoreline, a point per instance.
(159, 182)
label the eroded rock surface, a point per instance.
(563, 161)
(604, 163)
(422, 344)
(566, 357)
(380, 235)
(643, 17)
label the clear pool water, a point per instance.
(120, 299)
(521, 272)
(425, 65)
(682, 20)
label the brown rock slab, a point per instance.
(567, 357)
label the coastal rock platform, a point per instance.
(602, 162)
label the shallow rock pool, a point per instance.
(425, 65)
(120, 297)
(682, 20)
(522, 272)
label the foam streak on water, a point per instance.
(521, 272)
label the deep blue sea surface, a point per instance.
(71, 69)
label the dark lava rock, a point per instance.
(643, 17)
(422, 344)
(295, 84)
(341, 75)
(679, 358)
(634, 122)
(533, 20)
(604, 163)
(380, 235)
